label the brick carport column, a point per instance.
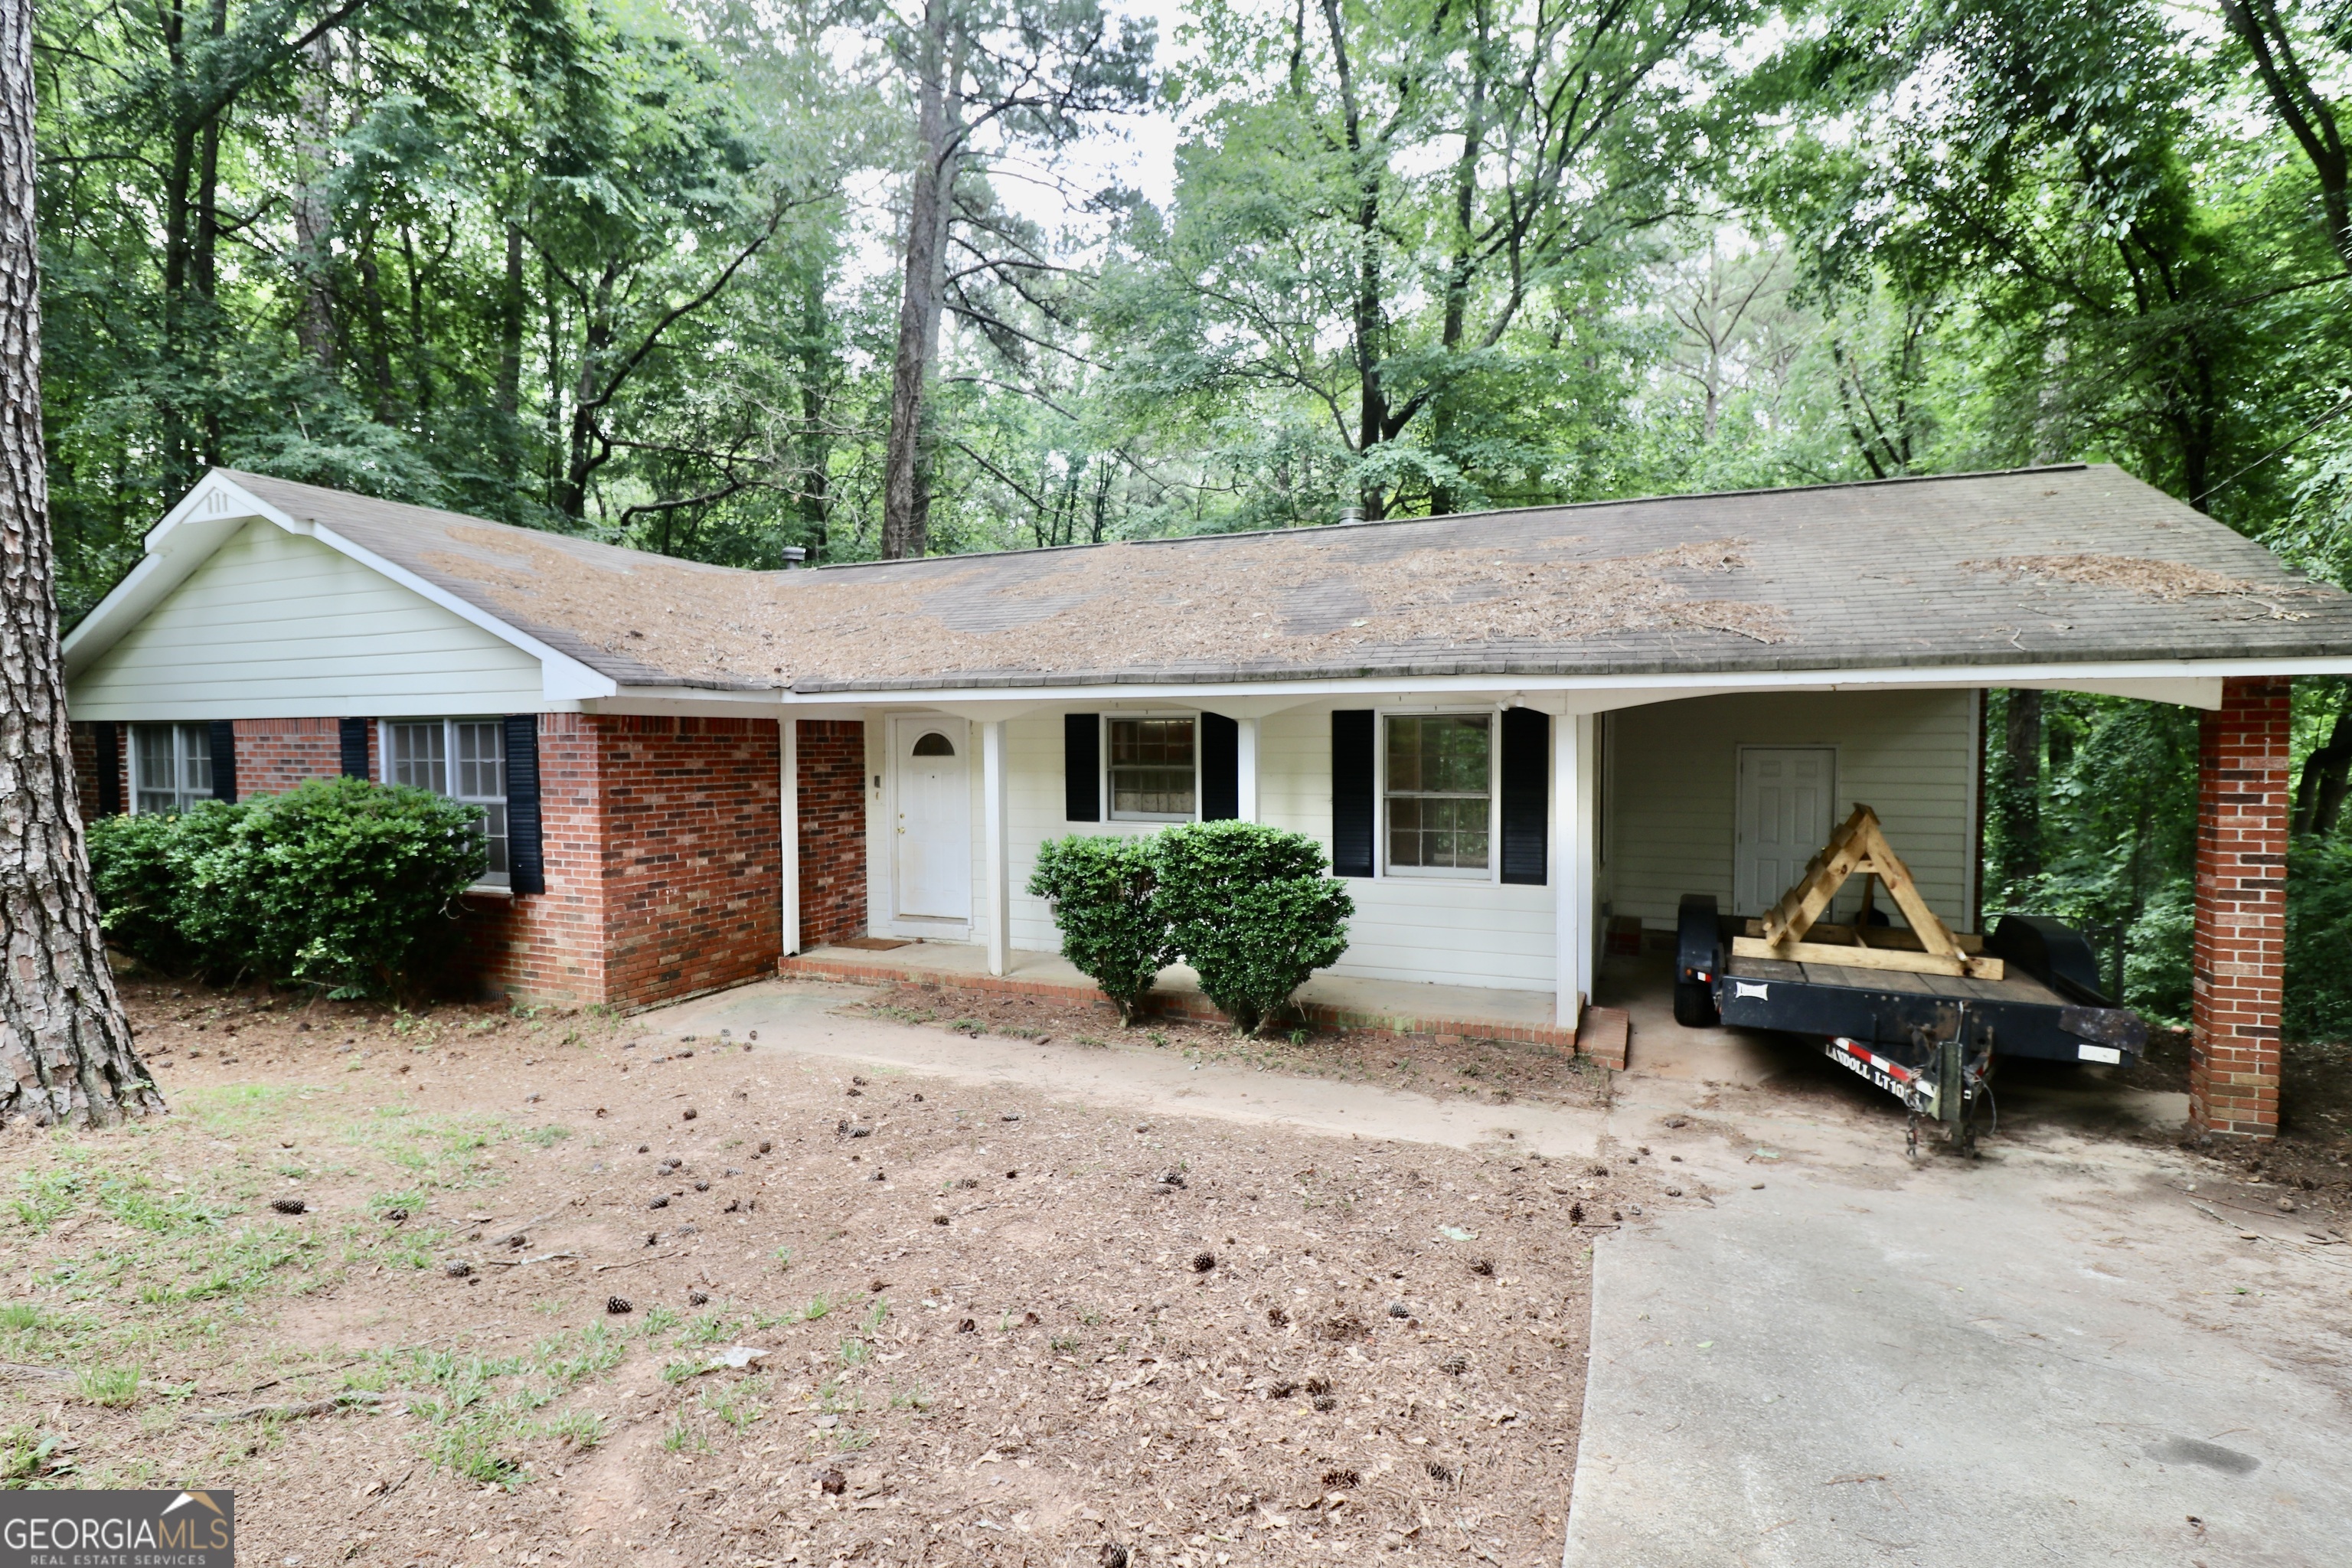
(2239, 966)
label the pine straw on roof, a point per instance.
(2169, 581)
(1122, 607)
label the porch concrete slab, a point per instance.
(1400, 999)
(2048, 1357)
(799, 1017)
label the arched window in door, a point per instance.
(934, 744)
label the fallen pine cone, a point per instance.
(616, 1305)
(288, 1205)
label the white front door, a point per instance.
(1785, 800)
(932, 835)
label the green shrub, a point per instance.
(337, 882)
(2319, 941)
(1253, 910)
(130, 865)
(1101, 892)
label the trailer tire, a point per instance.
(1695, 1005)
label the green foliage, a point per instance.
(1102, 892)
(1252, 910)
(2319, 939)
(339, 883)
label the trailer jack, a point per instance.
(1939, 1080)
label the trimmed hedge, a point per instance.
(1101, 891)
(339, 883)
(1251, 909)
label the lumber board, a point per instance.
(1876, 937)
(1893, 958)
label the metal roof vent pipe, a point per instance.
(1351, 512)
(795, 557)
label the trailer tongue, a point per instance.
(1922, 1011)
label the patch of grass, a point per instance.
(876, 1316)
(583, 1429)
(849, 1439)
(855, 1352)
(133, 1200)
(1064, 1344)
(19, 1317)
(45, 1197)
(27, 1453)
(709, 1329)
(1091, 1318)
(115, 1387)
(680, 1371)
(972, 1027)
(546, 1137)
(817, 1307)
(595, 1351)
(735, 1406)
(658, 1321)
(681, 1438)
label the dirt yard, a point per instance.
(1493, 1072)
(490, 1288)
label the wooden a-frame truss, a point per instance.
(1859, 847)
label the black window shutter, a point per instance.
(109, 771)
(224, 760)
(1351, 792)
(352, 735)
(1082, 767)
(526, 865)
(1220, 768)
(1527, 745)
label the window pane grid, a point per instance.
(1439, 799)
(1151, 772)
(464, 760)
(171, 766)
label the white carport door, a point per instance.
(933, 837)
(1785, 800)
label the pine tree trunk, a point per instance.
(65, 1046)
(905, 480)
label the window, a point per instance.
(465, 759)
(1152, 778)
(171, 766)
(1440, 804)
(934, 744)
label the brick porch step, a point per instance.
(1602, 1036)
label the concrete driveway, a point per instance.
(2056, 1354)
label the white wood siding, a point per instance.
(279, 627)
(1673, 788)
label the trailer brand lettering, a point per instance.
(1741, 990)
(118, 1529)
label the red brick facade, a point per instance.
(833, 830)
(664, 871)
(2238, 964)
(659, 836)
(273, 755)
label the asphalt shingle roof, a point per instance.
(2054, 565)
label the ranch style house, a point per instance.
(1520, 735)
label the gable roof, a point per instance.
(2073, 564)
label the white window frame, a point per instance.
(1109, 795)
(183, 797)
(490, 881)
(1493, 874)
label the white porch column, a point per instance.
(1571, 863)
(994, 829)
(1245, 768)
(788, 827)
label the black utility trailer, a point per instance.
(1929, 1039)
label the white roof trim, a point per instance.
(2191, 682)
(211, 514)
